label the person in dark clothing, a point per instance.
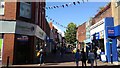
(83, 58)
(77, 56)
(41, 57)
(95, 53)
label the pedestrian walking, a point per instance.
(41, 57)
(83, 58)
(95, 53)
(77, 57)
(91, 57)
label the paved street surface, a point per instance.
(55, 60)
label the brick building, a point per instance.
(24, 31)
(104, 12)
(81, 34)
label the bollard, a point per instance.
(7, 61)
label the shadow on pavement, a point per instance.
(57, 58)
(51, 63)
(61, 66)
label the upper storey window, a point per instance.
(2, 6)
(25, 9)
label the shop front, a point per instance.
(117, 34)
(18, 41)
(103, 32)
(29, 39)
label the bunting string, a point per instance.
(56, 22)
(64, 5)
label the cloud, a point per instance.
(59, 30)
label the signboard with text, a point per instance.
(97, 35)
(110, 31)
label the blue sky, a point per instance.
(77, 14)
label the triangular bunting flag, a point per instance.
(74, 3)
(57, 6)
(67, 5)
(54, 7)
(78, 2)
(63, 6)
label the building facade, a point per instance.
(81, 35)
(103, 32)
(115, 4)
(24, 31)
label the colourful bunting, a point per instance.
(55, 22)
(73, 3)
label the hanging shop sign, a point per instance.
(25, 9)
(2, 6)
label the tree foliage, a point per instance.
(70, 34)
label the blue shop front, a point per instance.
(117, 35)
(107, 35)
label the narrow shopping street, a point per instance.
(56, 33)
(55, 60)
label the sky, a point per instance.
(77, 14)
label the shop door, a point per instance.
(22, 52)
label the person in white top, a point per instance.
(98, 52)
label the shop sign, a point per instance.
(25, 10)
(110, 31)
(40, 33)
(2, 6)
(25, 28)
(97, 35)
(22, 38)
(7, 26)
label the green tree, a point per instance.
(70, 34)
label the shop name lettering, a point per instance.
(25, 28)
(111, 31)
